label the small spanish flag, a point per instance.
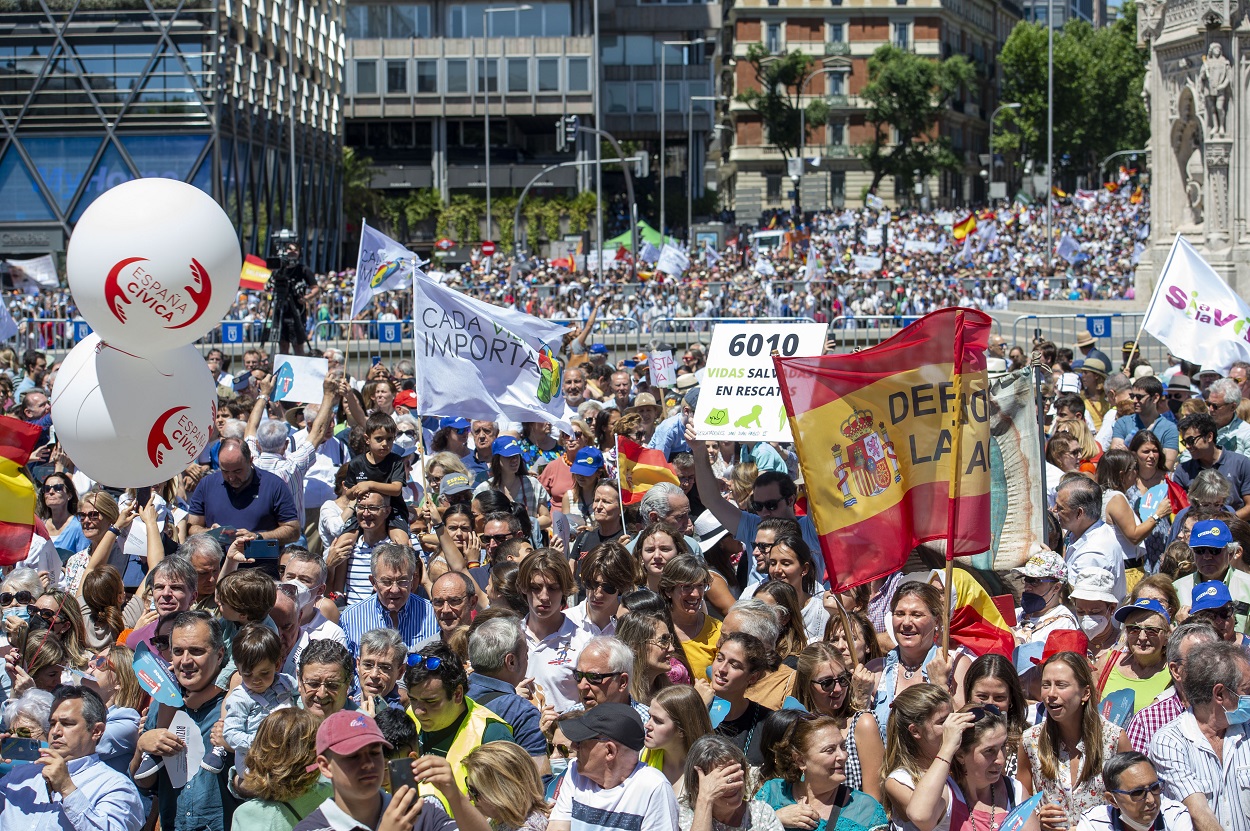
(255, 274)
(638, 468)
(1111, 187)
(1057, 193)
(962, 229)
(976, 622)
(17, 491)
(1136, 198)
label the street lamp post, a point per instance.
(798, 184)
(486, 13)
(690, 168)
(993, 118)
(663, 63)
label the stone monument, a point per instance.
(1196, 86)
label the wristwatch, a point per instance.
(438, 526)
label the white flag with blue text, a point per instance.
(382, 265)
(479, 361)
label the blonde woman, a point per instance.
(679, 718)
(503, 784)
(1087, 448)
(277, 778)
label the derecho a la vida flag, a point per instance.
(894, 444)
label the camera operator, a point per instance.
(294, 289)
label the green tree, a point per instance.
(1098, 80)
(906, 96)
(359, 198)
(775, 98)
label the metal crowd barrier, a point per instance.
(1112, 329)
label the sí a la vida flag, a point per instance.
(480, 361)
(894, 444)
(1195, 314)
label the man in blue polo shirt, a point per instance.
(239, 495)
(1150, 413)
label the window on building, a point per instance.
(772, 187)
(902, 36)
(672, 97)
(772, 38)
(457, 75)
(579, 74)
(427, 76)
(400, 134)
(541, 19)
(837, 83)
(518, 75)
(837, 33)
(644, 98)
(548, 74)
(488, 75)
(366, 77)
(837, 183)
(396, 77)
(836, 131)
(374, 20)
(616, 97)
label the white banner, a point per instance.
(872, 236)
(867, 263)
(1195, 314)
(673, 261)
(740, 398)
(479, 361)
(382, 265)
(299, 379)
(34, 274)
(663, 368)
(915, 246)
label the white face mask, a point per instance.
(1130, 823)
(404, 445)
(1094, 625)
(303, 595)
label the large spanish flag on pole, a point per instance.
(894, 444)
(17, 491)
(638, 468)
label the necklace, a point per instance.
(908, 672)
(993, 823)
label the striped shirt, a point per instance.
(416, 624)
(1187, 765)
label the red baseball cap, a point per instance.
(1059, 640)
(406, 398)
(346, 732)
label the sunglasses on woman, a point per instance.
(24, 598)
(57, 488)
(47, 614)
(827, 684)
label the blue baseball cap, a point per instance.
(454, 423)
(1212, 595)
(588, 462)
(506, 446)
(1210, 533)
(598, 349)
(1144, 604)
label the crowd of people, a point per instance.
(922, 268)
(345, 615)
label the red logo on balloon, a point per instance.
(138, 285)
(159, 439)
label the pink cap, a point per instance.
(346, 732)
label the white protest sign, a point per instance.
(867, 263)
(872, 236)
(740, 398)
(299, 379)
(663, 369)
(182, 766)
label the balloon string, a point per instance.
(104, 345)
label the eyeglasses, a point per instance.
(161, 642)
(606, 588)
(25, 598)
(1223, 613)
(1190, 441)
(1038, 581)
(664, 640)
(46, 614)
(331, 687)
(692, 588)
(769, 505)
(93, 516)
(1134, 630)
(402, 583)
(370, 666)
(498, 539)
(472, 793)
(593, 677)
(439, 602)
(763, 547)
(429, 662)
(984, 710)
(371, 509)
(58, 488)
(1138, 396)
(406, 433)
(1138, 794)
(827, 684)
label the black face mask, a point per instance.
(1175, 406)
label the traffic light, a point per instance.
(561, 142)
(570, 130)
(642, 164)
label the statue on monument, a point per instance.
(1216, 83)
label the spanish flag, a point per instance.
(894, 444)
(255, 273)
(976, 622)
(17, 491)
(638, 468)
(962, 229)
(1057, 193)
(1136, 197)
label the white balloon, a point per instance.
(153, 264)
(130, 421)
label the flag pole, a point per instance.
(952, 493)
(620, 495)
(1154, 298)
(351, 314)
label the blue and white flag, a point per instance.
(710, 256)
(382, 265)
(673, 261)
(8, 326)
(649, 253)
(1069, 249)
(479, 361)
